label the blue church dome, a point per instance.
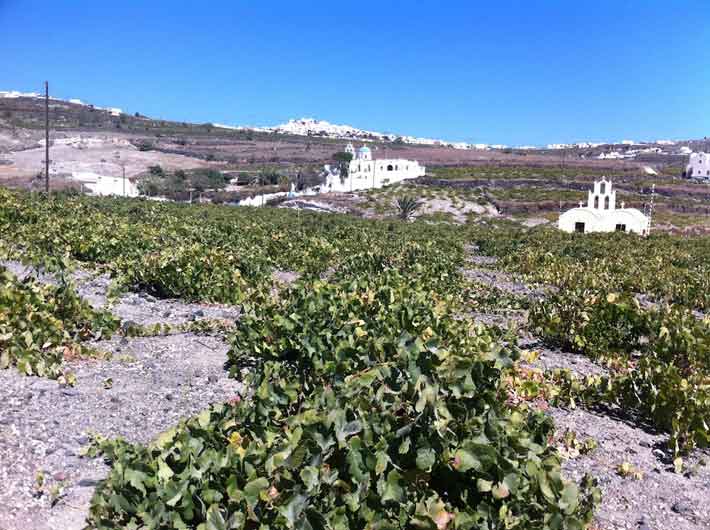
(364, 149)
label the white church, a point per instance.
(601, 214)
(365, 172)
(698, 166)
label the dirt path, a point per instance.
(482, 269)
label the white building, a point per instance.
(102, 185)
(602, 215)
(365, 172)
(615, 155)
(263, 200)
(698, 166)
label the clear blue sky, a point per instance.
(526, 72)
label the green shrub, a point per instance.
(371, 406)
(193, 272)
(590, 322)
(662, 357)
(40, 324)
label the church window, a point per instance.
(389, 167)
(606, 203)
(621, 227)
(596, 202)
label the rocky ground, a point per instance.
(653, 496)
(357, 204)
(458, 211)
(655, 499)
(105, 154)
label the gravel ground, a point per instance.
(481, 269)
(505, 282)
(580, 365)
(155, 381)
(502, 319)
(459, 213)
(661, 499)
(551, 359)
(485, 261)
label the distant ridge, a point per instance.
(324, 129)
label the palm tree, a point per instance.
(407, 206)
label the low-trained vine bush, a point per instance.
(670, 383)
(40, 324)
(663, 352)
(590, 321)
(218, 253)
(371, 406)
(194, 272)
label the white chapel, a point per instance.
(366, 172)
(601, 214)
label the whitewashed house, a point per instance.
(601, 214)
(365, 172)
(698, 166)
(104, 185)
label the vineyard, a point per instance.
(390, 382)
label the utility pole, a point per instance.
(563, 159)
(650, 209)
(46, 136)
(121, 163)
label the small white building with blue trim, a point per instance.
(601, 214)
(366, 172)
